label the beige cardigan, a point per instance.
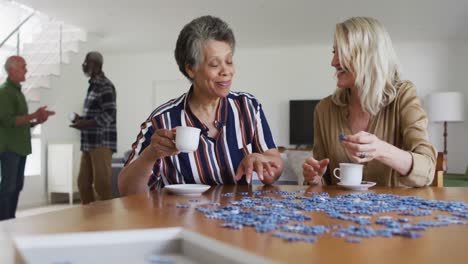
(402, 123)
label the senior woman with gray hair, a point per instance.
(235, 138)
(377, 116)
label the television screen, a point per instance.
(301, 122)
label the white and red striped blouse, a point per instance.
(243, 129)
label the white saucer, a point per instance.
(187, 189)
(361, 187)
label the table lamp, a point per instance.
(446, 107)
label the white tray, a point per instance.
(132, 246)
(7, 248)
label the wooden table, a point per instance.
(151, 210)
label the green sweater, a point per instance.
(12, 104)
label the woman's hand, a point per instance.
(162, 144)
(133, 178)
(258, 163)
(363, 146)
(313, 170)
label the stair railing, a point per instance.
(35, 53)
(17, 30)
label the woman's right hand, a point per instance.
(313, 170)
(162, 144)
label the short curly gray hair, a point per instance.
(194, 35)
(95, 57)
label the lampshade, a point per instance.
(446, 106)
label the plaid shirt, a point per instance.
(100, 106)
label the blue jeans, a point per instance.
(11, 183)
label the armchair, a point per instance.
(439, 170)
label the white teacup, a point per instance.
(350, 173)
(72, 117)
(187, 138)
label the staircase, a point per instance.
(44, 42)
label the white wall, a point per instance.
(457, 144)
(274, 75)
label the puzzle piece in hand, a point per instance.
(341, 137)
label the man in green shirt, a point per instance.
(15, 135)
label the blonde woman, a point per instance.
(379, 116)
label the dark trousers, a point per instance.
(11, 183)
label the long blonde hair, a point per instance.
(365, 49)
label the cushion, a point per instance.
(296, 158)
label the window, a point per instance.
(34, 160)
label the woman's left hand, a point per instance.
(258, 163)
(363, 146)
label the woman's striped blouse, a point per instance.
(243, 129)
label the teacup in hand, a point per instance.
(187, 138)
(350, 173)
(72, 117)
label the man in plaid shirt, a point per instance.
(98, 132)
